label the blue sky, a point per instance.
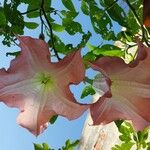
(14, 137)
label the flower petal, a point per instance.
(40, 88)
(71, 68)
(130, 90)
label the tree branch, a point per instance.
(51, 31)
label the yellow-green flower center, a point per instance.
(44, 81)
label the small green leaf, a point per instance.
(84, 40)
(35, 5)
(72, 27)
(89, 57)
(32, 14)
(57, 27)
(118, 123)
(68, 4)
(2, 17)
(84, 7)
(13, 53)
(70, 145)
(31, 25)
(75, 143)
(129, 125)
(118, 14)
(45, 146)
(53, 119)
(123, 146)
(69, 14)
(38, 147)
(88, 90)
(17, 29)
(106, 50)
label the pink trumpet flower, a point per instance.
(40, 88)
(126, 90)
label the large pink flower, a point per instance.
(40, 88)
(126, 92)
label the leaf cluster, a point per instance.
(129, 137)
(68, 146)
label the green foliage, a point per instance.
(100, 21)
(71, 26)
(44, 146)
(118, 14)
(35, 5)
(31, 25)
(68, 48)
(101, 16)
(17, 53)
(88, 90)
(68, 146)
(2, 17)
(106, 50)
(130, 137)
(84, 7)
(69, 5)
(123, 146)
(53, 119)
(57, 27)
(85, 38)
(69, 14)
(14, 18)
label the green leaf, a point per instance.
(14, 18)
(118, 123)
(118, 14)
(72, 27)
(75, 143)
(38, 147)
(35, 13)
(69, 14)
(125, 130)
(31, 25)
(106, 50)
(125, 138)
(35, 5)
(69, 145)
(53, 119)
(123, 146)
(13, 53)
(17, 29)
(85, 38)
(68, 4)
(2, 17)
(129, 125)
(57, 27)
(100, 21)
(131, 20)
(89, 57)
(88, 90)
(59, 45)
(84, 7)
(45, 146)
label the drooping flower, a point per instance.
(40, 88)
(126, 92)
